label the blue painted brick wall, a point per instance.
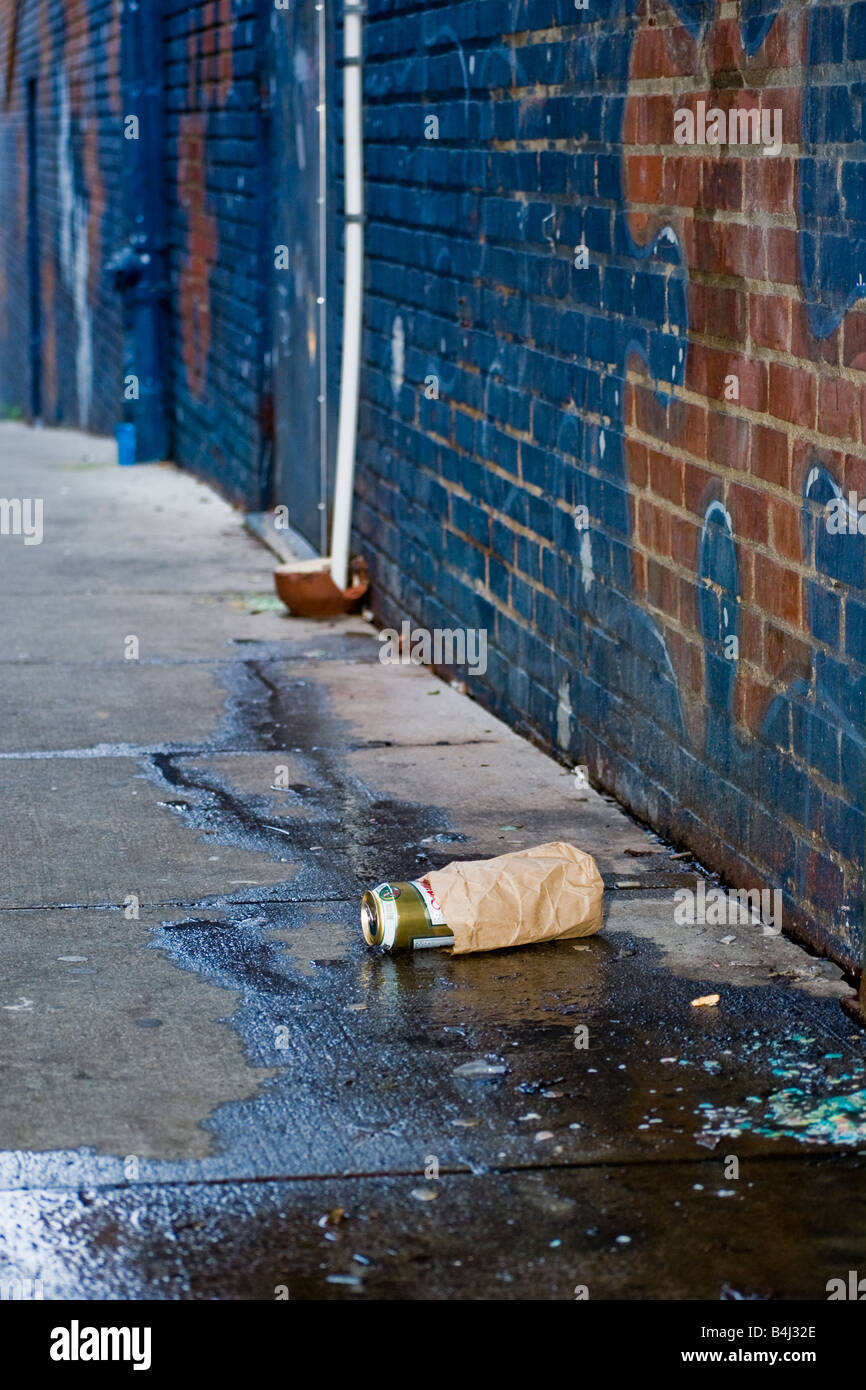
(603, 387)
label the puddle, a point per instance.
(317, 942)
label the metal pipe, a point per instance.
(353, 290)
(139, 268)
(322, 297)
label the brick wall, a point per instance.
(213, 182)
(70, 51)
(216, 187)
(626, 473)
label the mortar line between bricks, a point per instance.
(500, 1171)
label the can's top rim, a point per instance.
(371, 920)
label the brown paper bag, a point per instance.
(543, 894)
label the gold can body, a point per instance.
(403, 916)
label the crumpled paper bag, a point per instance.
(544, 894)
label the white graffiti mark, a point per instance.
(398, 355)
(75, 252)
(587, 573)
(563, 715)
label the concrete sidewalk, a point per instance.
(200, 1059)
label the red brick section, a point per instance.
(201, 250)
(209, 76)
(801, 400)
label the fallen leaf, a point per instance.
(335, 1217)
(706, 1001)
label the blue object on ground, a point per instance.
(125, 436)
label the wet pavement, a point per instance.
(209, 1086)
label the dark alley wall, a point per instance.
(216, 188)
(72, 201)
(621, 463)
(60, 157)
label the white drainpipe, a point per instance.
(353, 289)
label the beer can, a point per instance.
(403, 916)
